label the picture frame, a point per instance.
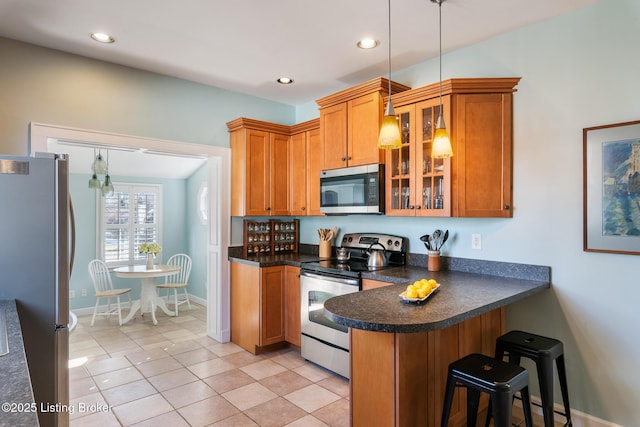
(611, 193)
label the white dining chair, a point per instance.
(178, 281)
(103, 286)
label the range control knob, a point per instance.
(397, 243)
(389, 242)
(350, 239)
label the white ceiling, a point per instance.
(244, 45)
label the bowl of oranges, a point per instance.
(419, 291)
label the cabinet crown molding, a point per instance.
(379, 84)
(246, 123)
(457, 86)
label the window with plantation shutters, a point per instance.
(128, 217)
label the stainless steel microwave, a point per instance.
(352, 190)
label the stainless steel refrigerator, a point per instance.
(35, 268)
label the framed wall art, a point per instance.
(611, 176)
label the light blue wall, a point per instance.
(48, 86)
(197, 234)
(175, 234)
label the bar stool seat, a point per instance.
(543, 351)
(501, 380)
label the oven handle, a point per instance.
(344, 280)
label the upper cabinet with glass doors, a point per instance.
(417, 184)
(477, 180)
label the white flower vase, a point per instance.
(150, 260)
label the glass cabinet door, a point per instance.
(433, 182)
(400, 199)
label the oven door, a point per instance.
(315, 290)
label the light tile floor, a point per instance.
(173, 374)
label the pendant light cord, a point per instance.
(440, 37)
(389, 56)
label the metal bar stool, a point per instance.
(543, 351)
(501, 380)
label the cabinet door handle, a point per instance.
(507, 207)
(344, 159)
(348, 158)
(267, 209)
(411, 207)
(418, 207)
(302, 208)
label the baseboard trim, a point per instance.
(125, 305)
(578, 418)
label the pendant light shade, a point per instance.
(107, 187)
(99, 166)
(94, 182)
(441, 141)
(390, 136)
(390, 130)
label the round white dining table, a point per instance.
(149, 298)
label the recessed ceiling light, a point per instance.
(102, 37)
(367, 43)
(285, 80)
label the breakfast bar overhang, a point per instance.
(400, 352)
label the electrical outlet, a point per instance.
(83, 292)
(476, 241)
(72, 293)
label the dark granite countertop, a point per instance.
(461, 296)
(469, 287)
(16, 389)
(294, 259)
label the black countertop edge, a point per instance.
(461, 296)
(18, 390)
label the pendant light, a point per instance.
(99, 166)
(390, 129)
(441, 142)
(94, 182)
(107, 187)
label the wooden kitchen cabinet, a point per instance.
(416, 183)
(304, 169)
(398, 379)
(259, 168)
(477, 180)
(292, 321)
(257, 306)
(265, 306)
(350, 124)
(372, 284)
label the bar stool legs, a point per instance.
(543, 351)
(480, 373)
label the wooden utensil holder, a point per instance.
(324, 250)
(433, 261)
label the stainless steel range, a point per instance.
(323, 341)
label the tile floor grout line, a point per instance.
(109, 339)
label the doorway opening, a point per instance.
(218, 192)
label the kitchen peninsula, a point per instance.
(400, 352)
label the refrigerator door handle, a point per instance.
(72, 224)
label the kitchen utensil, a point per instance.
(437, 238)
(445, 238)
(427, 241)
(377, 258)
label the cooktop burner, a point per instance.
(357, 245)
